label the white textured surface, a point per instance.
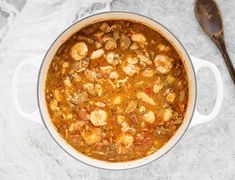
(26, 149)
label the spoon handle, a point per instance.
(223, 50)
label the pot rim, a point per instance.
(125, 168)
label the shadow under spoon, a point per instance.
(209, 17)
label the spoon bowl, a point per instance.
(209, 18)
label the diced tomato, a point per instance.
(99, 39)
(129, 34)
(147, 142)
(103, 74)
(182, 108)
(148, 90)
(99, 146)
(134, 119)
(76, 139)
(83, 114)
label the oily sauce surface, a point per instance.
(117, 91)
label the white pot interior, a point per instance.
(73, 29)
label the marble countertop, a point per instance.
(27, 151)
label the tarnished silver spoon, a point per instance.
(209, 17)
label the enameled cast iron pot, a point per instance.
(192, 65)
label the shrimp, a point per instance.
(163, 63)
(114, 75)
(113, 58)
(144, 60)
(149, 117)
(132, 105)
(167, 114)
(158, 85)
(162, 47)
(79, 51)
(106, 69)
(110, 44)
(138, 37)
(91, 136)
(124, 143)
(125, 126)
(132, 60)
(130, 69)
(148, 72)
(98, 117)
(97, 54)
(144, 97)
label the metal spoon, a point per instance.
(209, 17)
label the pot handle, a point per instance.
(199, 118)
(33, 116)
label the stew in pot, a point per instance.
(117, 90)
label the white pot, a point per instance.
(192, 64)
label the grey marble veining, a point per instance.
(27, 151)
